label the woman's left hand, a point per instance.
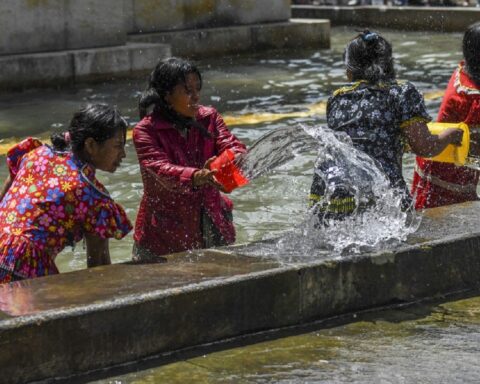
(206, 176)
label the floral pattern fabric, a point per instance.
(53, 201)
(373, 116)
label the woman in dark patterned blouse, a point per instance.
(379, 114)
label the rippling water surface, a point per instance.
(426, 344)
(266, 82)
(421, 344)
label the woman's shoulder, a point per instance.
(205, 111)
(403, 89)
(463, 83)
(349, 88)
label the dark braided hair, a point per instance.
(98, 121)
(167, 74)
(369, 57)
(471, 52)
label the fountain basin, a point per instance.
(72, 323)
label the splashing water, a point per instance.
(380, 222)
(274, 149)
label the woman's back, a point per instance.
(373, 115)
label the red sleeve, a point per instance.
(454, 107)
(16, 153)
(154, 160)
(225, 139)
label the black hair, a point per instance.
(369, 57)
(471, 52)
(167, 74)
(98, 121)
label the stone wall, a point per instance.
(55, 25)
(166, 15)
(30, 26)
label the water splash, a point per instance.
(274, 149)
(380, 221)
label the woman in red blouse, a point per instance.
(52, 198)
(182, 207)
(436, 184)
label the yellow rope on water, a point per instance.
(236, 120)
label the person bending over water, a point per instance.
(182, 207)
(436, 184)
(52, 198)
(379, 113)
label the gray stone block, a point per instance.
(38, 25)
(213, 41)
(67, 67)
(444, 19)
(167, 15)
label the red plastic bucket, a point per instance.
(228, 173)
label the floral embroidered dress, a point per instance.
(373, 116)
(53, 201)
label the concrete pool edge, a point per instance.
(65, 342)
(437, 19)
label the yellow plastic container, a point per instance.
(456, 154)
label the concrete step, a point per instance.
(227, 40)
(440, 19)
(71, 66)
(87, 320)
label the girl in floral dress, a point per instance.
(52, 198)
(379, 113)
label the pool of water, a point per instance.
(425, 343)
(266, 82)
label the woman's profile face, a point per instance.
(184, 98)
(107, 155)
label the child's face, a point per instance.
(184, 98)
(108, 155)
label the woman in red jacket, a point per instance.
(182, 207)
(436, 184)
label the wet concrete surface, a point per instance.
(106, 283)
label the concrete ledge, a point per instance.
(88, 320)
(210, 41)
(68, 67)
(408, 18)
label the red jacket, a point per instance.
(169, 217)
(436, 184)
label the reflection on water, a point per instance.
(418, 344)
(265, 82)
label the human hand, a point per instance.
(452, 136)
(206, 176)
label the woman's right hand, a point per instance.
(206, 176)
(452, 136)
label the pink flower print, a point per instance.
(41, 165)
(101, 231)
(45, 220)
(52, 182)
(56, 211)
(23, 189)
(82, 209)
(61, 231)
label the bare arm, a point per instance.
(6, 185)
(97, 251)
(424, 144)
